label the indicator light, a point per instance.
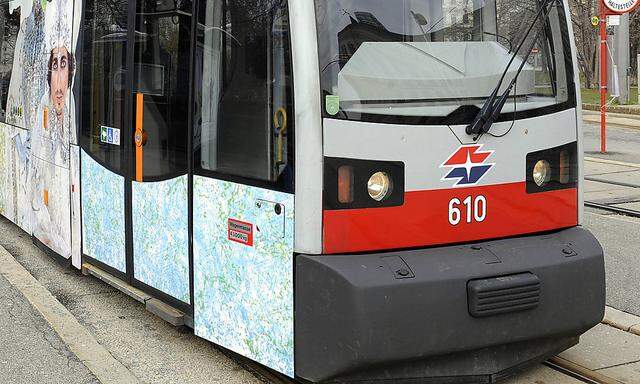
(565, 167)
(345, 184)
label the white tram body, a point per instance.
(298, 178)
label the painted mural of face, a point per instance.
(60, 73)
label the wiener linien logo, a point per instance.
(467, 165)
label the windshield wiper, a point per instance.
(492, 107)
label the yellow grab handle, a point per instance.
(281, 129)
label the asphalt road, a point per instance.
(30, 350)
(623, 144)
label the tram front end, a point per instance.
(452, 246)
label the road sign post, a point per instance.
(603, 78)
(608, 8)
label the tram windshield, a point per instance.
(436, 61)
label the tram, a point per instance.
(340, 190)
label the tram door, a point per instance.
(135, 134)
(159, 190)
(243, 202)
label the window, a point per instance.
(244, 119)
(104, 79)
(9, 27)
(161, 75)
(436, 61)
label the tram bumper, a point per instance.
(418, 315)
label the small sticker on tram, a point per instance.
(241, 232)
(109, 135)
(332, 104)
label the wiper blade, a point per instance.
(492, 107)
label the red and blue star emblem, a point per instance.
(468, 165)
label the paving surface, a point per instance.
(607, 183)
(619, 235)
(542, 375)
(620, 238)
(616, 119)
(609, 351)
(151, 349)
(30, 350)
(623, 143)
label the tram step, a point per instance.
(133, 292)
(164, 311)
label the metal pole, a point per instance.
(603, 79)
(621, 40)
(638, 76)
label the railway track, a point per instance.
(559, 364)
(579, 372)
(613, 207)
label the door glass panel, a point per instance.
(244, 117)
(104, 80)
(161, 75)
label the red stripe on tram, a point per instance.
(424, 219)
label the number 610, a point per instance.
(473, 209)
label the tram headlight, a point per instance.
(552, 169)
(379, 186)
(541, 173)
(362, 184)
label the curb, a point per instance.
(622, 320)
(624, 109)
(106, 368)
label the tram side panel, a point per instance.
(14, 135)
(243, 270)
(39, 129)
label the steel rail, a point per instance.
(612, 182)
(579, 372)
(611, 208)
(556, 363)
(559, 364)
